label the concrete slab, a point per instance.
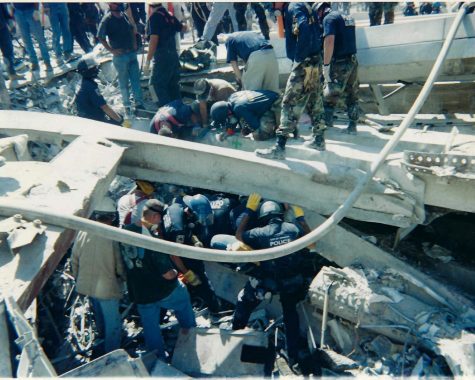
(217, 352)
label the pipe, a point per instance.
(11, 207)
(325, 315)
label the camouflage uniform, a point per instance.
(302, 94)
(345, 74)
(376, 11)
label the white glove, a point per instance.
(146, 68)
(36, 15)
(326, 73)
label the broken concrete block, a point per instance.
(216, 352)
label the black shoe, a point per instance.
(351, 129)
(318, 143)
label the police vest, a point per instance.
(174, 224)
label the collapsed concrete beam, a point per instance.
(168, 160)
(73, 182)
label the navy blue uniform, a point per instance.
(302, 32)
(89, 101)
(221, 206)
(177, 229)
(334, 24)
(280, 276)
(242, 44)
(166, 65)
(251, 105)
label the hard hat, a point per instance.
(321, 5)
(201, 86)
(219, 113)
(270, 208)
(105, 210)
(153, 205)
(88, 67)
(144, 186)
(201, 208)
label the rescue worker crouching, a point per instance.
(89, 102)
(188, 221)
(340, 65)
(279, 276)
(177, 119)
(255, 111)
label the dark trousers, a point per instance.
(200, 13)
(248, 300)
(78, 30)
(205, 290)
(6, 47)
(260, 13)
(165, 77)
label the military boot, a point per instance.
(318, 142)
(351, 129)
(277, 152)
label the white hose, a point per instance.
(10, 207)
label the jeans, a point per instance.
(127, 67)
(216, 15)
(108, 322)
(6, 47)
(178, 301)
(222, 241)
(28, 26)
(59, 19)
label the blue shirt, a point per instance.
(343, 28)
(274, 234)
(242, 44)
(251, 105)
(89, 101)
(302, 32)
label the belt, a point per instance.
(345, 58)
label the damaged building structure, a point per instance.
(393, 208)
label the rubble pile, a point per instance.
(398, 328)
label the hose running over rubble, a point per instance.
(10, 206)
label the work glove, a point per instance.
(326, 73)
(191, 278)
(238, 246)
(253, 201)
(146, 68)
(298, 212)
(196, 242)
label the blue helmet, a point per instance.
(201, 208)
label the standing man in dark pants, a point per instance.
(161, 29)
(279, 276)
(6, 45)
(340, 66)
(303, 91)
(77, 25)
(260, 13)
(117, 34)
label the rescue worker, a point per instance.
(6, 45)
(182, 225)
(176, 119)
(59, 19)
(216, 15)
(130, 205)
(97, 266)
(209, 91)
(279, 276)
(303, 91)
(89, 101)
(340, 65)
(410, 9)
(161, 30)
(376, 10)
(255, 111)
(262, 70)
(117, 34)
(78, 26)
(152, 281)
(260, 14)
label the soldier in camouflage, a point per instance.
(303, 91)
(376, 10)
(340, 66)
